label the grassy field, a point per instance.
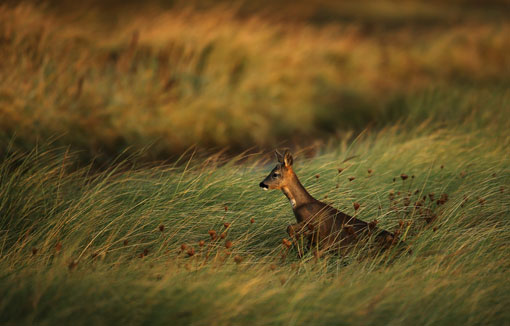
(95, 229)
(80, 249)
(105, 82)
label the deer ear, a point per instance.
(288, 159)
(279, 157)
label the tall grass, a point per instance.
(83, 248)
(214, 78)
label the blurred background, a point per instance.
(113, 78)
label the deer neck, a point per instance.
(296, 193)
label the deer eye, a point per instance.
(275, 175)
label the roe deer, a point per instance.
(323, 225)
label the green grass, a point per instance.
(92, 226)
(457, 272)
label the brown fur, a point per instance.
(324, 227)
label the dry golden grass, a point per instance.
(176, 78)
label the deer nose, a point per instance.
(263, 185)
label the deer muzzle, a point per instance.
(263, 185)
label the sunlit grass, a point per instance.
(115, 247)
(177, 78)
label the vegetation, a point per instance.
(108, 248)
(409, 106)
(215, 79)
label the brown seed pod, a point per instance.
(404, 176)
(370, 171)
(226, 208)
(287, 243)
(184, 246)
(238, 259)
(351, 178)
(340, 170)
(226, 225)
(252, 220)
(126, 242)
(212, 233)
(356, 206)
(317, 176)
(223, 235)
(201, 243)
(58, 246)
(34, 250)
(161, 228)
(191, 251)
(272, 267)
(228, 244)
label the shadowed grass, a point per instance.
(81, 248)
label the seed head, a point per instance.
(443, 199)
(226, 225)
(228, 244)
(223, 235)
(340, 170)
(370, 171)
(212, 233)
(272, 267)
(317, 176)
(404, 176)
(238, 259)
(34, 250)
(351, 178)
(58, 246)
(226, 208)
(126, 242)
(287, 243)
(201, 243)
(191, 251)
(161, 228)
(252, 220)
(356, 206)
(184, 246)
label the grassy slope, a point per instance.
(177, 78)
(456, 274)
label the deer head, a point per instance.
(281, 174)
